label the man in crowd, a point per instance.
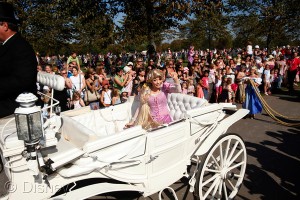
(18, 62)
(73, 58)
(294, 66)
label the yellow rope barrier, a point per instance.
(271, 112)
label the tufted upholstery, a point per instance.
(106, 121)
(54, 81)
(179, 103)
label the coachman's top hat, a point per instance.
(7, 13)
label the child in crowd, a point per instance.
(218, 86)
(231, 94)
(76, 101)
(191, 87)
(275, 79)
(184, 88)
(105, 98)
(115, 97)
(124, 97)
(199, 90)
(223, 90)
(205, 84)
(266, 79)
(272, 80)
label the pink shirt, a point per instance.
(159, 109)
(205, 82)
(159, 106)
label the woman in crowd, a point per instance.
(252, 103)
(191, 54)
(63, 96)
(153, 110)
(129, 83)
(94, 86)
(170, 71)
(120, 79)
(100, 71)
(78, 81)
(241, 88)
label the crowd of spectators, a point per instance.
(216, 75)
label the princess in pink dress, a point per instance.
(153, 110)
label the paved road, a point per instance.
(273, 170)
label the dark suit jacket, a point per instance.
(18, 72)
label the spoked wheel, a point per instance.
(221, 173)
(1, 164)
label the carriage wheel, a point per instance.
(1, 164)
(221, 172)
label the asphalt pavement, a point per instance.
(273, 168)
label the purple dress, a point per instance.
(159, 105)
(159, 108)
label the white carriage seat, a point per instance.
(106, 121)
(91, 120)
(180, 103)
(69, 147)
(64, 153)
(76, 133)
(120, 148)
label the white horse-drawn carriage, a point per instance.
(83, 153)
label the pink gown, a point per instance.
(159, 106)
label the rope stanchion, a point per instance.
(272, 113)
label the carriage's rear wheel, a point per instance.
(222, 170)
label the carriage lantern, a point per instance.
(28, 119)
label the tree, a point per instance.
(208, 26)
(271, 21)
(150, 18)
(53, 25)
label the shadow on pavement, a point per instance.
(280, 163)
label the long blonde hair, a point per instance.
(144, 117)
(153, 74)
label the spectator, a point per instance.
(73, 58)
(184, 87)
(241, 88)
(191, 54)
(205, 85)
(78, 82)
(63, 96)
(190, 87)
(93, 85)
(77, 101)
(294, 65)
(281, 65)
(115, 97)
(124, 97)
(129, 80)
(119, 79)
(139, 63)
(249, 49)
(106, 94)
(267, 79)
(139, 80)
(199, 90)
